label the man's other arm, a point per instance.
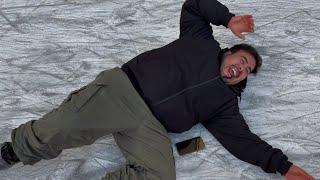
(231, 130)
(196, 16)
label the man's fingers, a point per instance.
(247, 21)
(251, 21)
(251, 28)
(241, 36)
(248, 28)
(248, 16)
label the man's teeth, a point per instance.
(234, 71)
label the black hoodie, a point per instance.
(181, 84)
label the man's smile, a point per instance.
(233, 72)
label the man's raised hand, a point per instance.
(296, 173)
(240, 24)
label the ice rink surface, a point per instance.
(49, 48)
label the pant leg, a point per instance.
(104, 106)
(148, 152)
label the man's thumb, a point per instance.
(241, 36)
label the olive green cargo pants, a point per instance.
(107, 105)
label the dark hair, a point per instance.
(251, 50)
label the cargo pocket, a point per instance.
(78, 98)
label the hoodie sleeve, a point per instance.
(196, 16)
(231, 130)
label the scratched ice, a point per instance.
(48, 48)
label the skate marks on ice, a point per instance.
(48, 49)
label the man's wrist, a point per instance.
(227, 19)
(284, 168)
